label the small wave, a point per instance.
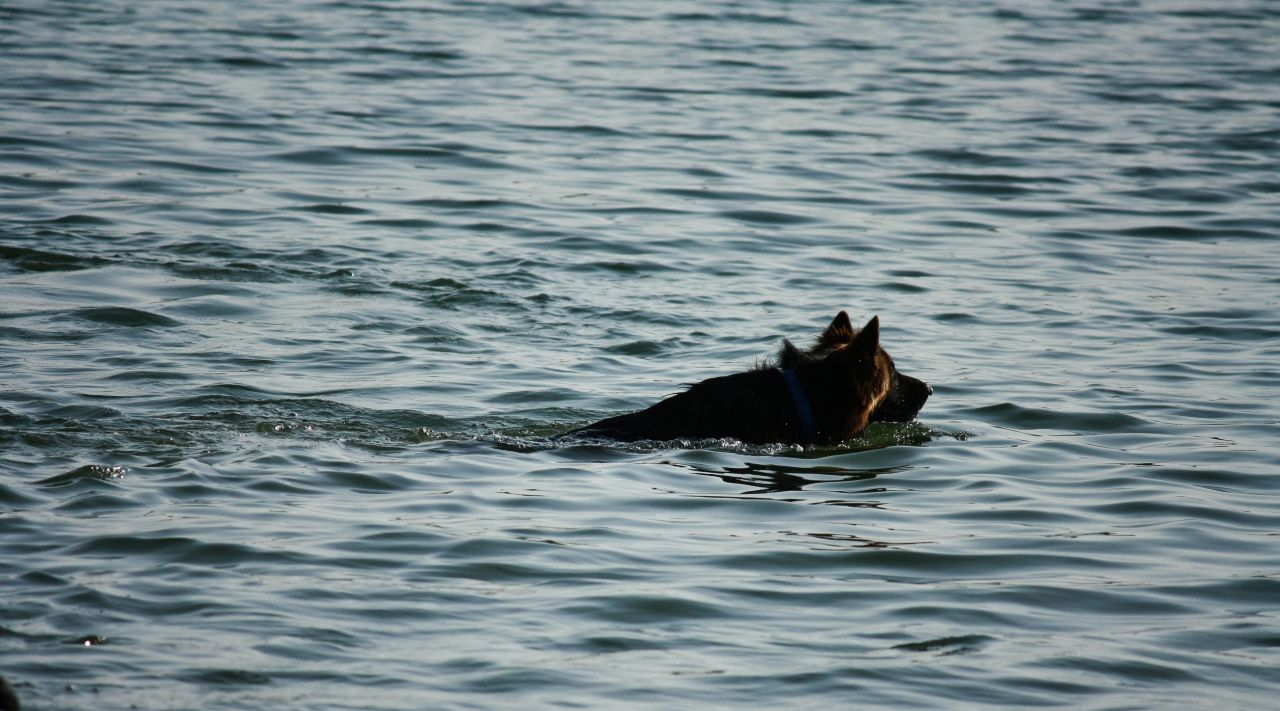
(409, 223)
(777, 93)
(767, 217)
(451, 294)
(80, 220)
(415, 54)
(182, 549)
(969, 156)
(643, 348)
(330, 208)
(902, 287)
(197, 168)
(454, 154)
(579, 129)
(468, 205)
(241, 62)
(125, 316)
(218, 678)
(709, 194)
(36, 260)
(962, 644)
(149, 376)
(1030, 418)
(95, 472)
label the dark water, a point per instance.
(293, 296)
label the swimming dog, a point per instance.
(826, 394)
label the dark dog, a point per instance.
(825, 394)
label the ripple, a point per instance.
(645, 609)
(968, 156)
(249, 63)
(779, 93)
(180, 549)
(1029, 418)
(89, 471)
(964, 644)
(80, 220)
(125, 316)
(332, 209)
(226, 677)
(37, 260)
(766, 217)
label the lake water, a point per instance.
(294, 297)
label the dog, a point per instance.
(826, 394)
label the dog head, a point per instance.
(904, 396)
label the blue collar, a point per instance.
(801, 403)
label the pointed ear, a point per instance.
(840, 332)
(789, 356)
(868, 339)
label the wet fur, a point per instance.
(848, 379)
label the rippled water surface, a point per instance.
(295, 296)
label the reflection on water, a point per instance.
(775, 478)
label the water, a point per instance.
(295, 295)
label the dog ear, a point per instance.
(789, 356)
(867, 341)
(839, 333)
